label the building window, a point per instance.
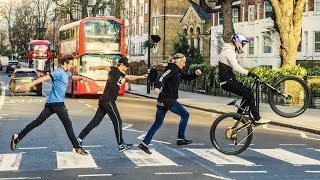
(133, 11)
(141, 48)
(317, 42)
(317, 5)
(146, 8)
(133, 48)
(252, 9)
(251, 47)
(235, 15)
(146, 26)
(133, 31)
(141, 29)
(220, 18)
(267, 10)
(141, 9)
(267, 43)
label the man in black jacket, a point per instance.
(167, 100)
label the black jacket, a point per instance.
(170, 82)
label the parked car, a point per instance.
(22, 77)
(12, 65)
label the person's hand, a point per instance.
(250, 74)
(92, 68)
(24, 88)
(144, 76)
(198, 72)
(156, 90)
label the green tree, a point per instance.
(193, 54)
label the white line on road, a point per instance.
(47, 84)
(92, 146)
(214, 176)
(2, 95)
(312, 171)
(249, 172)
(81, 101)
(34, 148)
(21, 178)
(88, 105)
(172, 173)
(292, 144)
(94, 175)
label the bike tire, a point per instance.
(297, 89)
(220, 140)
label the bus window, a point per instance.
(102, 36)
(96, 60)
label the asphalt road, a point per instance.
(46, 153)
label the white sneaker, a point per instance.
(263, 121)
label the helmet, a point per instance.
(239, 41)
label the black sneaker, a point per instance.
(124, 147)
(80, 141)
(183, 142)
(14, 142)
(80, 151)
(144, 148)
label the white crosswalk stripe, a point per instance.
(140, 158)
(71, 160)
(67, 160)
(288, 156)
(10, 162)
(218, 158)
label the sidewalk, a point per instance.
(308, 121)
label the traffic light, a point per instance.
(155, 38)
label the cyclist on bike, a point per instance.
(228, 82)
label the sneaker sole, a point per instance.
(128, 147)
(12, 144)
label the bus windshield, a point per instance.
(39, 47)
(102, 36)
(96, 60)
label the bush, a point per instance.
(206, 72)
(315, 88)
(314, 71)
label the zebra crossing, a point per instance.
(137, 158)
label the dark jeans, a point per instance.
(152, 84)
(178, 109)
(49, 109)
(239, 89)
(111, 109)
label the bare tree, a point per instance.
(8, 10)
(288, 23)
(226, 10)
(116, 8)
(42, 16)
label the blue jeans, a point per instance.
(178, 109)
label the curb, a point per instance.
(219, 112)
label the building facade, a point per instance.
(252, 18)
(165, 22)
(196, 24)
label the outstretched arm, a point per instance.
(93, 68)
(132, 77)
(190, 76)
(27, 87)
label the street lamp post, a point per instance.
(149, 39)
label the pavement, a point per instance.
(308, 121)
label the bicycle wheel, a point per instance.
(291, 96)
(230, 136)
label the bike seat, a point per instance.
(232, 102)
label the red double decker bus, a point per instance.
(40, 55)
(93, 41)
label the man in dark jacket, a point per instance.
(167, 100)
(153, 75)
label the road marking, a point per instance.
(292, 144)
(21, 178)
(173, 173)
(47, 84)
(34, 148)
(2, 95)
(67, 160)
(288, 156)
(88, 105)
(312, 171)
(214, 176)
(140, 158)
(10, 162)
(94, 175)
(249, 172)
(216, 157)
(92, 146)
(81, 101)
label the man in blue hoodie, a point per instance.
(169, 81)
